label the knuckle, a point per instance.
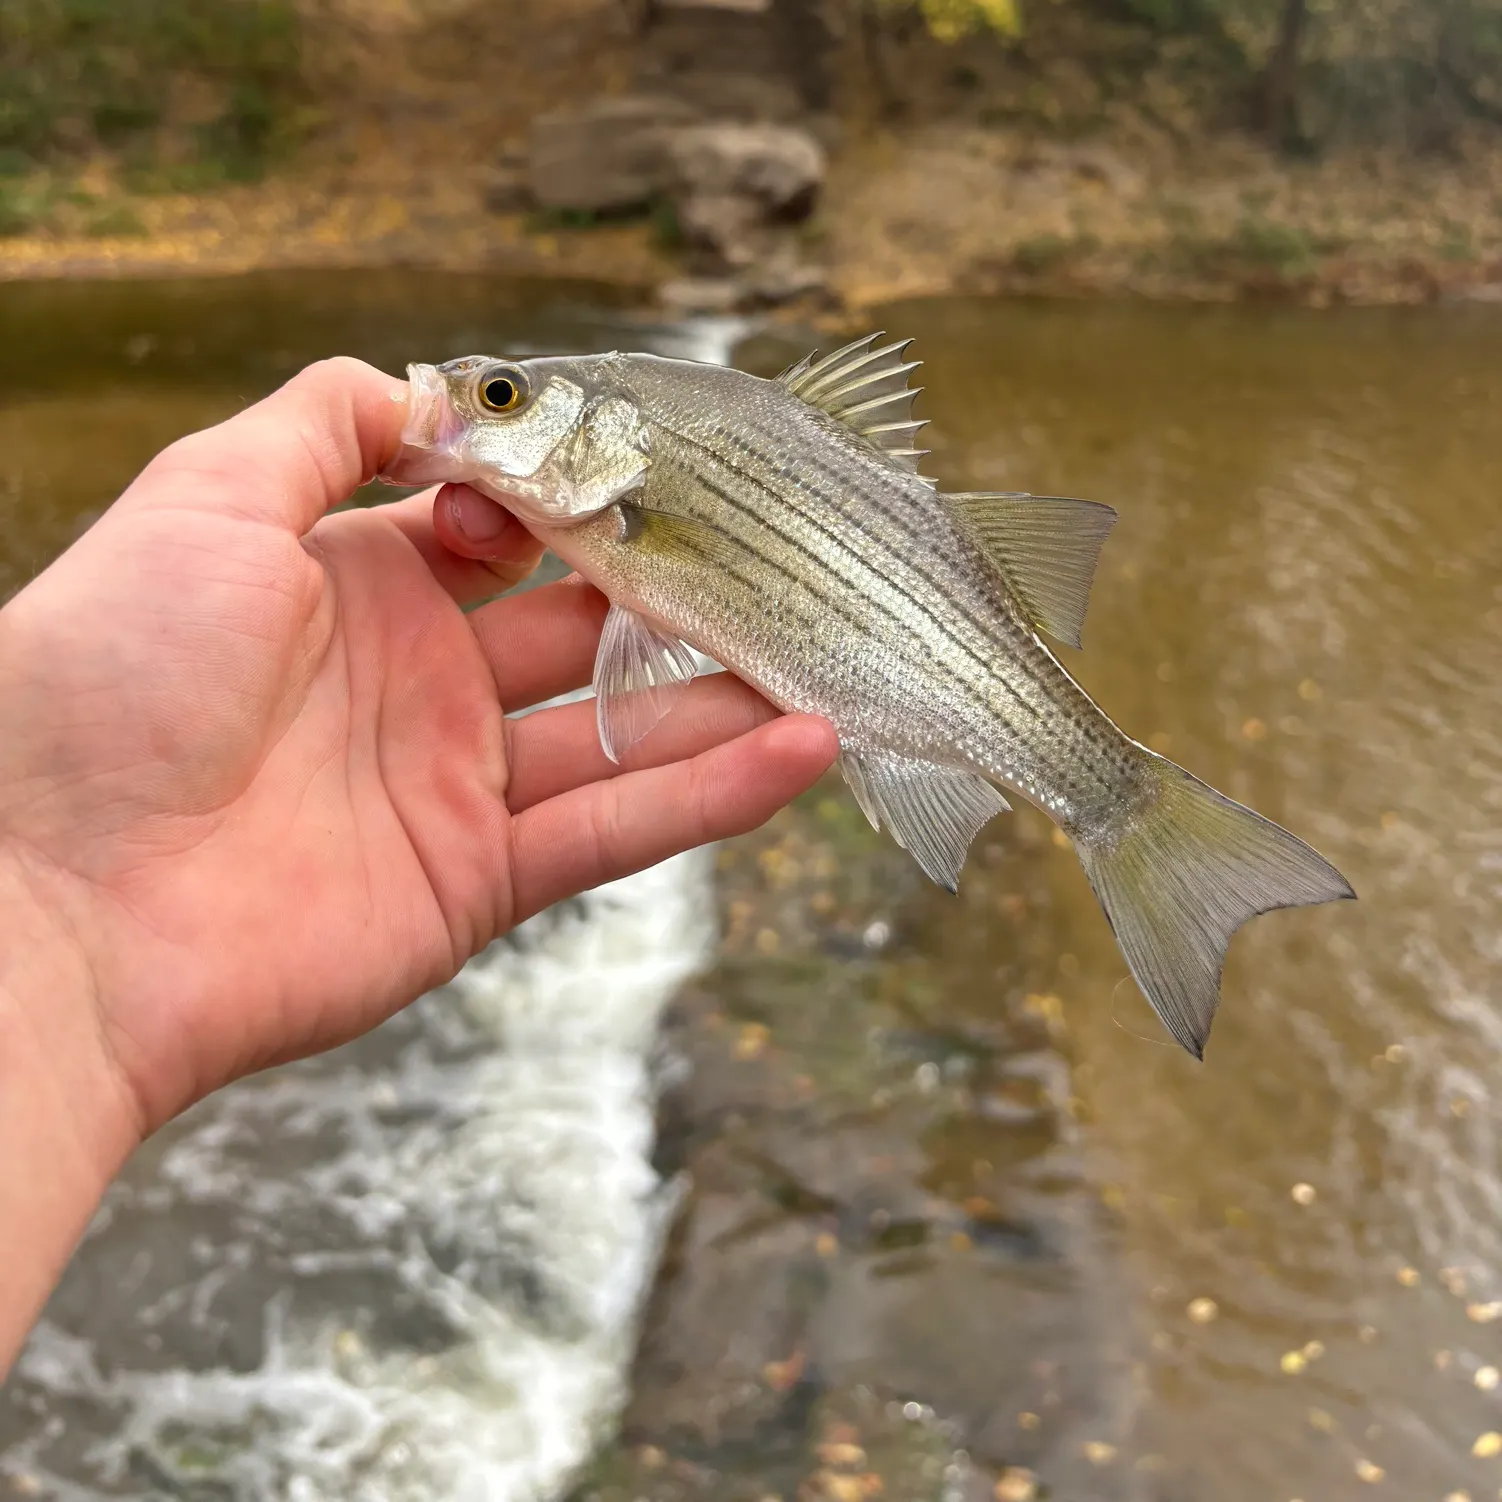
(335, 373)
(607, 829)
(701, 802)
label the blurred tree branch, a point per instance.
(1281, 79)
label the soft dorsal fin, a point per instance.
(1046, 548)
(866, 388)
(933, 812)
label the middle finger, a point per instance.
(542, 643)
(557, 750)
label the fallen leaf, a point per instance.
(1017, 1484)
(782, 1375)
(841, 1453)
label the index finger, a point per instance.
(308, 446)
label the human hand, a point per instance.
(257, 787)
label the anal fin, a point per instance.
(1045, 547)
(639, 672)
(933, 812)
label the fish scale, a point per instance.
(898, 513)
(782, 528)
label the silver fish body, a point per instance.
(781, 527)
(836, 585)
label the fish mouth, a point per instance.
(428, 409)
(428, 448)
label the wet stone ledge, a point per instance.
(890, 1277)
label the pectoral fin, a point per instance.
(933, 812)
(681, 539)
(1046, 547)
(639, 673)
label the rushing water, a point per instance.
(383, 1274)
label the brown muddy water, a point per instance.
(955, 1218)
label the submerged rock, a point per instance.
(880, 1285)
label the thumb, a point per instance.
(290, 457)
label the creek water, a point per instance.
(414, 1268)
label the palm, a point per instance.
(273, 784)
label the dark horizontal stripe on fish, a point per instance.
(1001, 631)
(896, 508)
(1077, 723)
(926, 664)
(897, 514)
(990, 674)
(755, 588)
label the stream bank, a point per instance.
(712, 164)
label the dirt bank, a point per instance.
(414, 105)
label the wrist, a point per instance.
(67, 1119)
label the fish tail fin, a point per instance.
(1178, 873)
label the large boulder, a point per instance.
(734, 186)
(733, 182)
(609, 155)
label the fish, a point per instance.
(784, 529)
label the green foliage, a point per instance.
(1257, 248)
(44, 201)
(77, 71)
(1405, 71)
(1044, 253)
(950, 20)
(18, 210)
(1410, 70)
(1284, 248)
(114, 223)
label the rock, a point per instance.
(732, 182)
(783, 278)
(506, 189)
(732, 185)
(703, 295)
(610, 155)
(780, 279)
(723, 225)
(778, 167)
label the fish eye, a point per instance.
(502, 388)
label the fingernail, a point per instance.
(476, 518)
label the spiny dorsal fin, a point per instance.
(866, 388)
(933, 812)
(1046, 548)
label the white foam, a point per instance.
(517, 1200)
(493, 1171)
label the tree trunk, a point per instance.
(1281, 81)
(873, 52)
(805, 43)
